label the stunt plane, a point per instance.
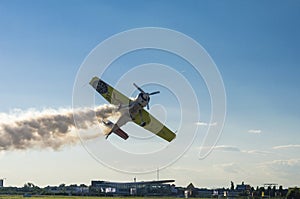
(131, 110)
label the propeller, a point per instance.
(142, 91)
(138, 88)
(153, 93)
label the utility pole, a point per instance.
(157, 174)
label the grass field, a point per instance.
(48, 197)
(78, 197)
(75, 197)
(58, 197)
(71, 197)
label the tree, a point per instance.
(280, 190)
(261, 190)
(30, 187)
(255, 191)
(252, 191)
(269, 190)
(273, 191)
(293, 193)
(231, 186)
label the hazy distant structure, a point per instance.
(1, 182)
(143, 188)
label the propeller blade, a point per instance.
(138, 88)
(153, 93)
(148, 106)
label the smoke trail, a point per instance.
(49, 128)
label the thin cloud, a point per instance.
(229, 167)
(227, 148)
(289, 162)
(284, 169)
(259, 152)
(254, 131)
(200, 123)
(289, 146)
(231, 148)
(283, 163)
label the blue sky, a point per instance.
(255, 45)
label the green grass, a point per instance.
(53, 197)
(76, 197)
(79, 197)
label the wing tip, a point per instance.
(94, 81)
(172, 138)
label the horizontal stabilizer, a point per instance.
(121, 133)
(115, 129)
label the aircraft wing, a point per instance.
(108, 92)
(117, 98)
(155, 126)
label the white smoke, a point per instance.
(49, 128)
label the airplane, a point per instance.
(131, 110)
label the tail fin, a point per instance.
(115, 129)
(121, 133)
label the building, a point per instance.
(67, 190)
(1, 182)
(243, 189)
(144, 188)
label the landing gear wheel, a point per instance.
(143, 124)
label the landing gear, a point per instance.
(143, 124)
(108, 135)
